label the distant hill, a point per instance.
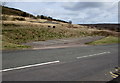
(16, 12)
(113, 27)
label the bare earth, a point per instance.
(59, 43)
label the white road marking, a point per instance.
(93, 55)
(28, 66)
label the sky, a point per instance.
(77, 12)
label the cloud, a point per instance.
(81, 12)
(76, 6)
(78, 12)
(93, 11)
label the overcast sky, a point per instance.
(77, 12)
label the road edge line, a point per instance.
(29, 66)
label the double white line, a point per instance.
(28, 66)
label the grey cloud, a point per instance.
(71, 14)
(83, 5)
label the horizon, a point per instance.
(77, 12)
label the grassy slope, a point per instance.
(7, 45)
(13, 36)
(19, 35)
(13, 11)
(106, 40)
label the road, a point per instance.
(75, 63)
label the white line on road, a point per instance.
(93, 55)
(28, 66)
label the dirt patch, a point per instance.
(62, 42)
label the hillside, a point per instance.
(112, 27)
(18, 29)
(16, 12)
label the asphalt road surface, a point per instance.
(78, 63)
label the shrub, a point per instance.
(18, 18)
(53, 26)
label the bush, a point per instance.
(17, 18)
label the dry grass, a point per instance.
(107, 40)
(16, 32)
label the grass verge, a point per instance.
(22, 34)
(14, 35)
(11, 46)
(106, 40)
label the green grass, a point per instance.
(6, 45)
(13, 36)
(106, 40)
(24, 34)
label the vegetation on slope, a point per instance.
(106, 40)
(13, 36)
(19, 30)
(112, 27)
(16, 12)
(24, 34)
(7, 45)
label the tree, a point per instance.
(24, 14)
(70, 22)
(42, 17)
(49, 18)
(38, 16)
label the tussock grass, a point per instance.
(15, 34)
(24, 34)
(106, 40)
(7, 45)
(105, 33)
(12, 18)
